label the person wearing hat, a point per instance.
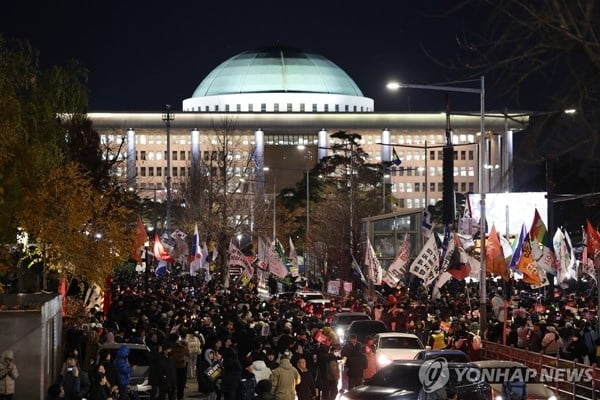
(356, 362)
(8, 375)
(284, 379)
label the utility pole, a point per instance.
(167, 117)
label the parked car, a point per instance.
(401, 380)
(499, 371)
(306, 295)
(392, 346)
(364, 328)
(139, 359)
(448, 354)
(342, 320)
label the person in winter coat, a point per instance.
(124, 371)
(551, 342)
(263, 390)
(232, 374)
(8, 375)
(371, 362)
(284, 379)
(306, 389)
(162, 375)
(247, 383)
(207, 386)
(260, 370)
(101, 388)
(355, 361)
(332, 374)
(70, 378)
(194, 346)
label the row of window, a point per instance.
(433, 171)
(416, 203)
(159, 171)
(410, 187)
(289, 107)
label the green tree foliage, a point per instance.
(51, 170)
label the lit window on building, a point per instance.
(471, 171)
(409, 203)
(455, 171)
(463, 171)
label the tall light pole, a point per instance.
(307, 156)
(167, 117)
(482, 224)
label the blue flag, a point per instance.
(357, 272)
(395, 158)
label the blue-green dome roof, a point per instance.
(277, 69)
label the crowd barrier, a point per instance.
(571, 380)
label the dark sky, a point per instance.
(143, 55)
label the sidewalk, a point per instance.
(191, 389)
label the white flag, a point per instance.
(441, 281)
(397, 269)
(196, 263)
(426, 265)
(294, 264)
(276, 265)
(238, 259)
(564, 256)
(263, 254)
(373, 264)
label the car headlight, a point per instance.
(499, 398)
(553, 397)
(383, 360)
(339, 332)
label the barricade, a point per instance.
(569, 379)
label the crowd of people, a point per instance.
(239, 345)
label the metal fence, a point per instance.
(569, 379)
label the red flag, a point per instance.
(63, 292)
(496, 263)
(139, 239)
(159, 250)
(457, 262)
(593, 240)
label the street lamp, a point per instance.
(482, 226)
(167, 117)
(307, 156)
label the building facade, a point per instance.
(266, 103)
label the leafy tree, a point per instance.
(78, 231)
(344, 189)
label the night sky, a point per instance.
(143, 55)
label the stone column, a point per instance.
(195, 152)
(323, 144)
(131, 172)
(259, 160)
(386, 149)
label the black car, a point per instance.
(342, 320)
(448, 354)
(364, 328)
(402, 380)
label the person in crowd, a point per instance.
(69, 378)
(355, 363)
(284, 379)
(270, 360)
(8, 375)
(124, 371)
(306, 389)
(437, 339)
(260, 369)
(208, 373)
(371, 360)
(194, 347)
(247, 382)
(552, 342)
(588, 338)
(162, 375)
(264, 390)
(179, 354)
(535, 338)
(232, 374)
(523, 334)
(101, 388)
(55, 392)
(92, 346)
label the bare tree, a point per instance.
(224, 197)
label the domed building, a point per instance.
(258, 108)
(277, 79)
